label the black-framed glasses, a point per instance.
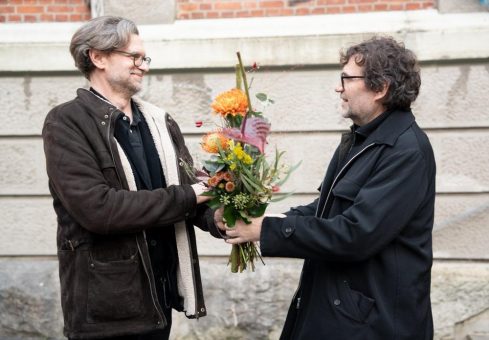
(137, 58)
(343, 77)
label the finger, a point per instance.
(231, 233)
(221, 226)
(234, 240)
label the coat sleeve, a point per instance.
(82, 186)
(303, 210)
(379, 212)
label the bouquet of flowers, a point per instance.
(241, 179)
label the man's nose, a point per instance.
(144, 67)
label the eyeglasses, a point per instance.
(343, 77)
(137, 58)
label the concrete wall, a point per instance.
(192, 62)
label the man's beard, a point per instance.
(124, 87)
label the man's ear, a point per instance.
(98, 58)
(381, 94)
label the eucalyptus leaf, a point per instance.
(261, 97)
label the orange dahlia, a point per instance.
(211, 141)
(232, 102)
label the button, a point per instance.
(181, 163)
(337, 302)
(103, 123)
(202, 309)
(92, 265)
(106, 116)
(125, 118)
(288, 230)
(153, 243)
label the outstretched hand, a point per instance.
(199, 189)
(242, 232)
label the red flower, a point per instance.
(275, 188)
(198, 123)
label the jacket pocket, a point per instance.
(114, 290)
(346, 189)
(108, 169)
(353, 304)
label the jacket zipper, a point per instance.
(144, 234)
(149, 278)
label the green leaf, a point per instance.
(261, 97)
(230, 215)
(281, 197)
(258, 210)
(214, 203)
(247, 186)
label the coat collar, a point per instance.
(96, 105)
(392, 127)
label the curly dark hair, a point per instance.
(386, 61)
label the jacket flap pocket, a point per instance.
(346, 189)
(105, 159)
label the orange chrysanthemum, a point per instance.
(232, 102)
(211, 141)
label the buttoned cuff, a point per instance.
(275, 231)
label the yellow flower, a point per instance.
(231, 102)
(247, 159)
(211, 142)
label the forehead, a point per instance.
(352, 68)
(135, 44)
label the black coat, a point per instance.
(366, 241)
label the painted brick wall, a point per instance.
(21, 11)
(208, 9)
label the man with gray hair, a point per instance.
(126, 206)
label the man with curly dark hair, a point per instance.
(367, 238)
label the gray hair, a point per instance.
(105, 33)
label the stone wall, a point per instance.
(300, 77)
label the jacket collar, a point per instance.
(95, 105)
(392, 127)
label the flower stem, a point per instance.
(234, 258)
(245, 82)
